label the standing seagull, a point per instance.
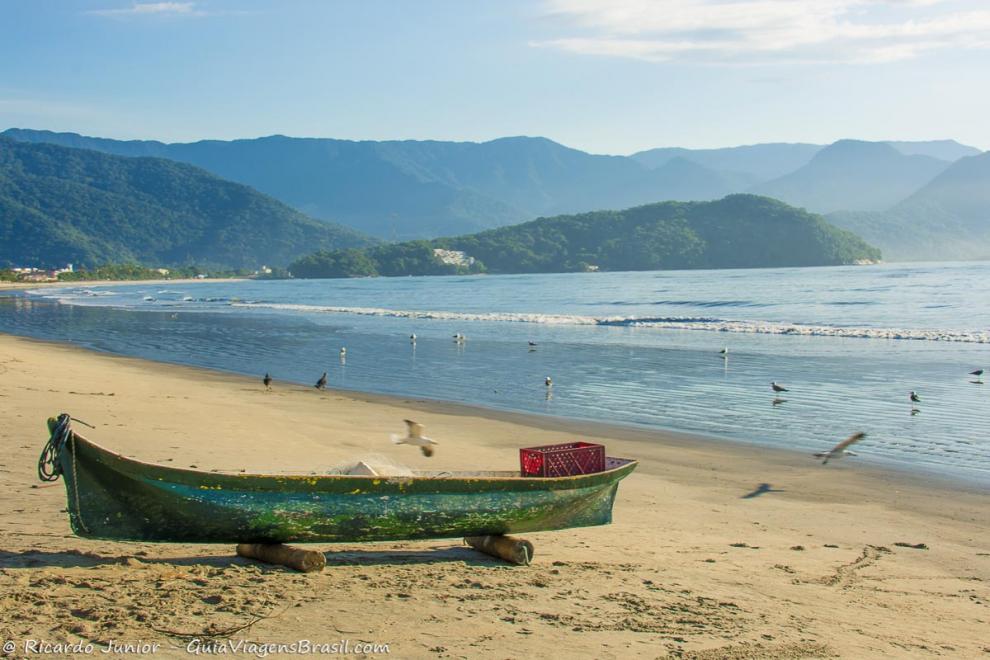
(914, 397)
(724, 352)
(412, 338)
(548, 382)
(979, 375)
(322, 382)
(778, 388)
(840, 450)
(267, 380)
(343, 353)
(415, 437)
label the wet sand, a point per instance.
(717, 550)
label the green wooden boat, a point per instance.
(118, 498)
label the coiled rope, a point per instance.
(49, 468)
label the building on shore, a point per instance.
(453, 257)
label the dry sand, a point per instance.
(690, 568)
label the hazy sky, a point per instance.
(608, 76)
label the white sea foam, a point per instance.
(671, 323)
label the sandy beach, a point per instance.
(11, 286)
(701, 560)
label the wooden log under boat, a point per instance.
(512, 550)
(306, 561)
(117, 498)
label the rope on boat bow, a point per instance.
(49, 468)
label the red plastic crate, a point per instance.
(562, 460)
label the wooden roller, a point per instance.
(306, 561)
(512, 550)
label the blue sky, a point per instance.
(608, 76)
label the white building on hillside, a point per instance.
(453, 257)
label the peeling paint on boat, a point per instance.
(123, 499)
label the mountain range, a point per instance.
(852, 175)
(399, 190)
(949, 218)
(61, 205)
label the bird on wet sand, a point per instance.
(979, 376)
(914, 397)
(322, 382)
(724, 352)
(415, 437)
(267, 380)
(343, 353)
(412, 338)
(548, 381)
(840, 450)
(778, 388)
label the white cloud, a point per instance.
(151, 9)
(763, 31)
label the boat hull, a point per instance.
(117, 498)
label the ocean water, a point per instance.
(639, 348)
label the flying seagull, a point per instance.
(914, 397)
(415, 437)
(267, 380)
(778, 388)
(840, 450)
(322, 382)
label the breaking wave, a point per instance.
(668, 322)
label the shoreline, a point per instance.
(714, 551)
(669, 437)
(15, 286)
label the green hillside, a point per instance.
(739, 231)
(60, 205)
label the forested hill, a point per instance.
(60, 205)
(738, 231)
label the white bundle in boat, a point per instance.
(372, 465)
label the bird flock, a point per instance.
(415, 437)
